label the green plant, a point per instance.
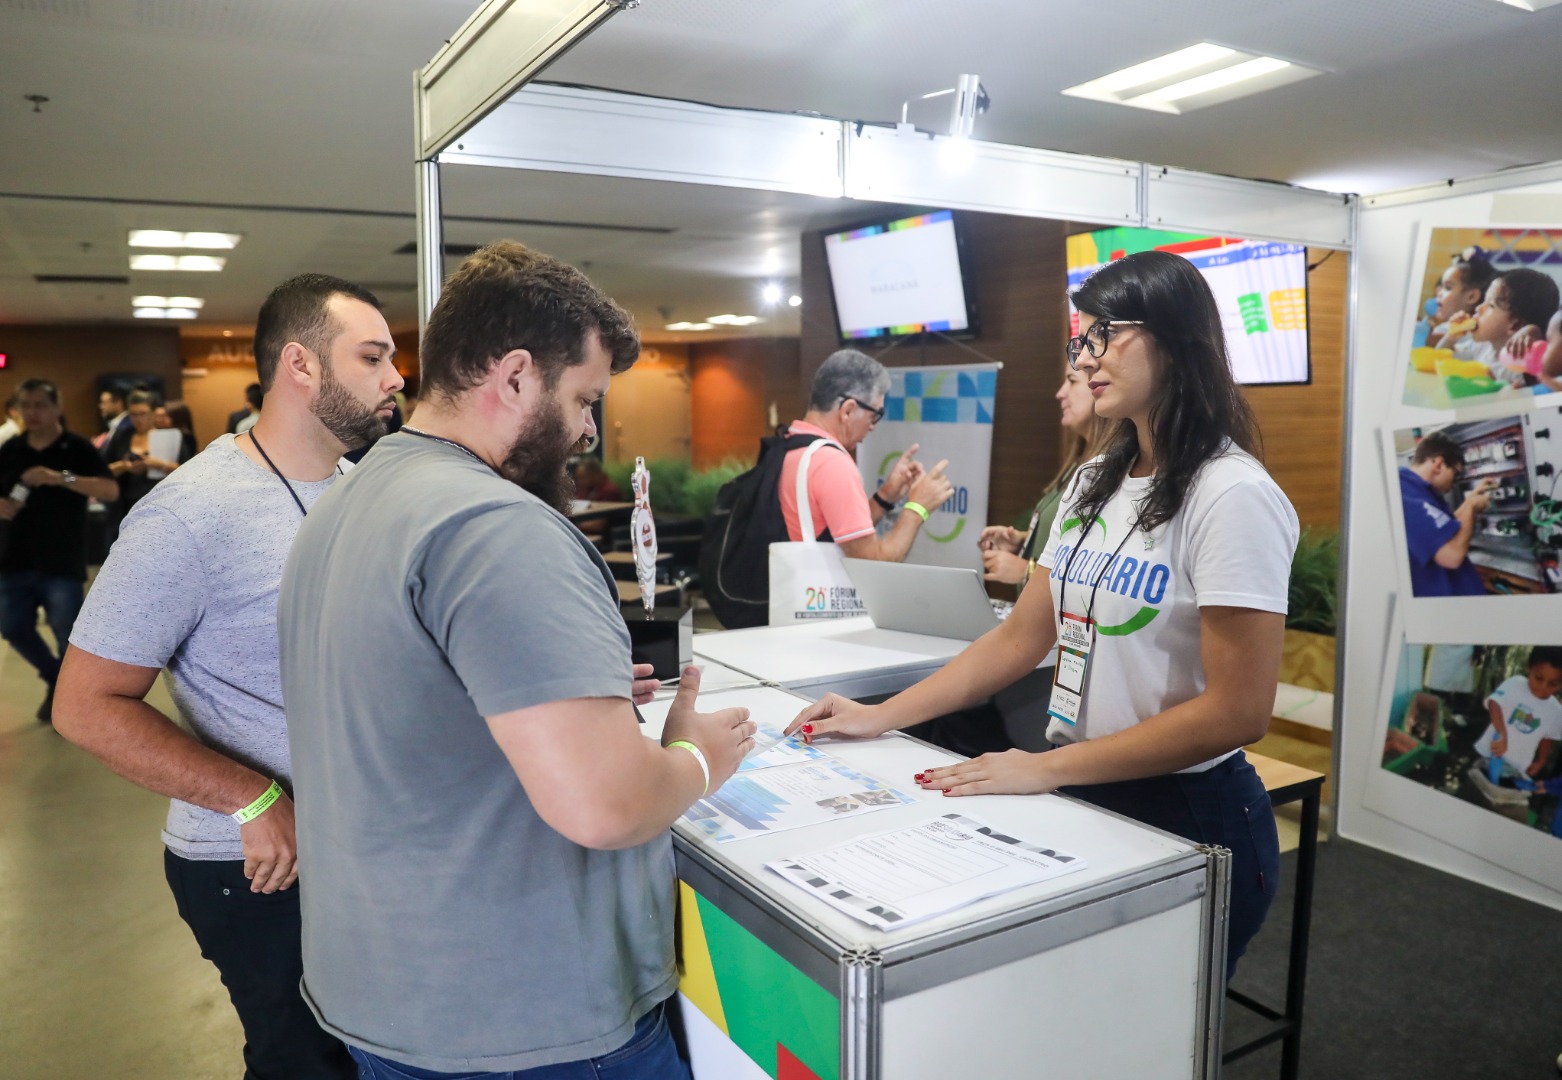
(669, 479)
(699, 492)
(1315, 575)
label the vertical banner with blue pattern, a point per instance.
(948, 411)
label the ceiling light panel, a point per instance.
(1192, 78)
(168, 301)
(1531, 5)
(165, 238)
(198, 263)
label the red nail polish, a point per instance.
(919, 778)
(946, 791)
(808, 729)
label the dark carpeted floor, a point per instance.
(1414, 974)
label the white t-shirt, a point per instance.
(1529, 719)
(1229, 546)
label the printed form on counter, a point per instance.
(767, 800)
(897, 878)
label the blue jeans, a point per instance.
(1225, 806)
(22, 593)
(648, 1055)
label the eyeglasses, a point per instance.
(877, 414)
(1094, 339)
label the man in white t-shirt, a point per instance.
(1526, 717)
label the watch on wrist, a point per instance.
(882, 501)
(67, 477)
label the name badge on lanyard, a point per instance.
(1076, 636)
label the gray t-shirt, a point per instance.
(191, 586)
(446, 925)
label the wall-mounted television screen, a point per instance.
(896, 278)
(1260, 287)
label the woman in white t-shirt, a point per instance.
(1176, 546)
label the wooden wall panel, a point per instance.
(1304, 426)
(735, 385)
(1018, 271)
(74, 356)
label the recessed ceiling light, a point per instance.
(771, 293)
(166, 238)
(1192, 78)
(179, 313)
(794, 301)
(206, 263)
(149, 312)
(167, 301)
(165, 313)
(733, 320)
(690, 326)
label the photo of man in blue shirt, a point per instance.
(1439, 539)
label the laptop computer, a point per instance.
(944, 601)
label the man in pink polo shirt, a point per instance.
(846, 403)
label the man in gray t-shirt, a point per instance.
(190, 588)
(483, 825)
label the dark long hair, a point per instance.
(1199, 405)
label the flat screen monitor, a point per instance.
(896, 278)
(1259, 286)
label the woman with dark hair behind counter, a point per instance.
(1165, 578)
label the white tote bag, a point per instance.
(808, 579)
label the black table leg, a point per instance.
(1301, 920)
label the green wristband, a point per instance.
(918, 509)
(699, 756)
(259, 806)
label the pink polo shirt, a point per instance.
(835, 492)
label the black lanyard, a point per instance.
(285, 482)
(1068, 568)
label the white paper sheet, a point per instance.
(770, 800)
(896, 878)
(163, 443)
(772, 748)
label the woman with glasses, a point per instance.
(1164, 581)
(1009, 555)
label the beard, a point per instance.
(537, 458)
(353, 424)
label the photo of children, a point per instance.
(1480, 505)
(1482, 723)
(1486, 323)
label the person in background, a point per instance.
(129, 453)
(593, 484)
(191, 587)
(1439, 541)
(484, 824)
(1009, 555)
(49, 473)
(111, 411)
(1169, 567)
(176, 414)
(253, 396)
(13, 420)
(845, 403)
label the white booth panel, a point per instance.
(564, 129)
(503, 44)
(963, 174)
(1251, 209)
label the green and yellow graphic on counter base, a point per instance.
(785, 1022)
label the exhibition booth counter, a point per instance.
(812, 975)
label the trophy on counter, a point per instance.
(664, 639)
(642, 532)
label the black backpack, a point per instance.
(746, 520)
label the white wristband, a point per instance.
(699, 757)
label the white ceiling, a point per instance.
(248, 115)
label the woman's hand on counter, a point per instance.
(1013, 772)
(841, 717)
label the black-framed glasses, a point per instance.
(1095, 338)
(877, 414)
